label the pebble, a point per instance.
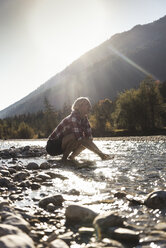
(20, 176)
(32, 166)
(45, 166)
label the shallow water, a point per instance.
(138, 168)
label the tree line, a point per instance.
(134, 111)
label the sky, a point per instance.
(39, 38)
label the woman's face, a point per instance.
(85, 108)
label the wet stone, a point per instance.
(25, 184)
(51, 207)
(56, 200)
(45, 166)
(111, 243)
(20, 176)
(18, 167)
(124, 235)
(15, 197)
(12, 170)
(32, 166)
(43, 176)
(4, 206)
(79, 214)
(104, 221)
(120, 195)
(35, 186)
(56, 175)
(74, 192)
(4, 182)
(86, 231)
(156, 200)
(5, 172)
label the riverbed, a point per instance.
(138, 168)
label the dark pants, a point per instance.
(54, 147)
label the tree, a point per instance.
(25, 131)
(50, 117)
(126, 112)
(139, 109)
(152, 102)
(101, 116)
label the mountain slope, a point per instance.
(119, 63)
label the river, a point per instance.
(137, 169)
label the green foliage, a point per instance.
(24, 131)
(101, 116)
(139, 109)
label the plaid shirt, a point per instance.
(73, 124)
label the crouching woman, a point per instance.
(73, 134)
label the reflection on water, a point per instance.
(137, 168)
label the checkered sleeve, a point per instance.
(76, 128)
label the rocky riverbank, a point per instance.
(136, 138)
(49, 219)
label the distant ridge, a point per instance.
(117, 64)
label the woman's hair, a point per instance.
(78, 102)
